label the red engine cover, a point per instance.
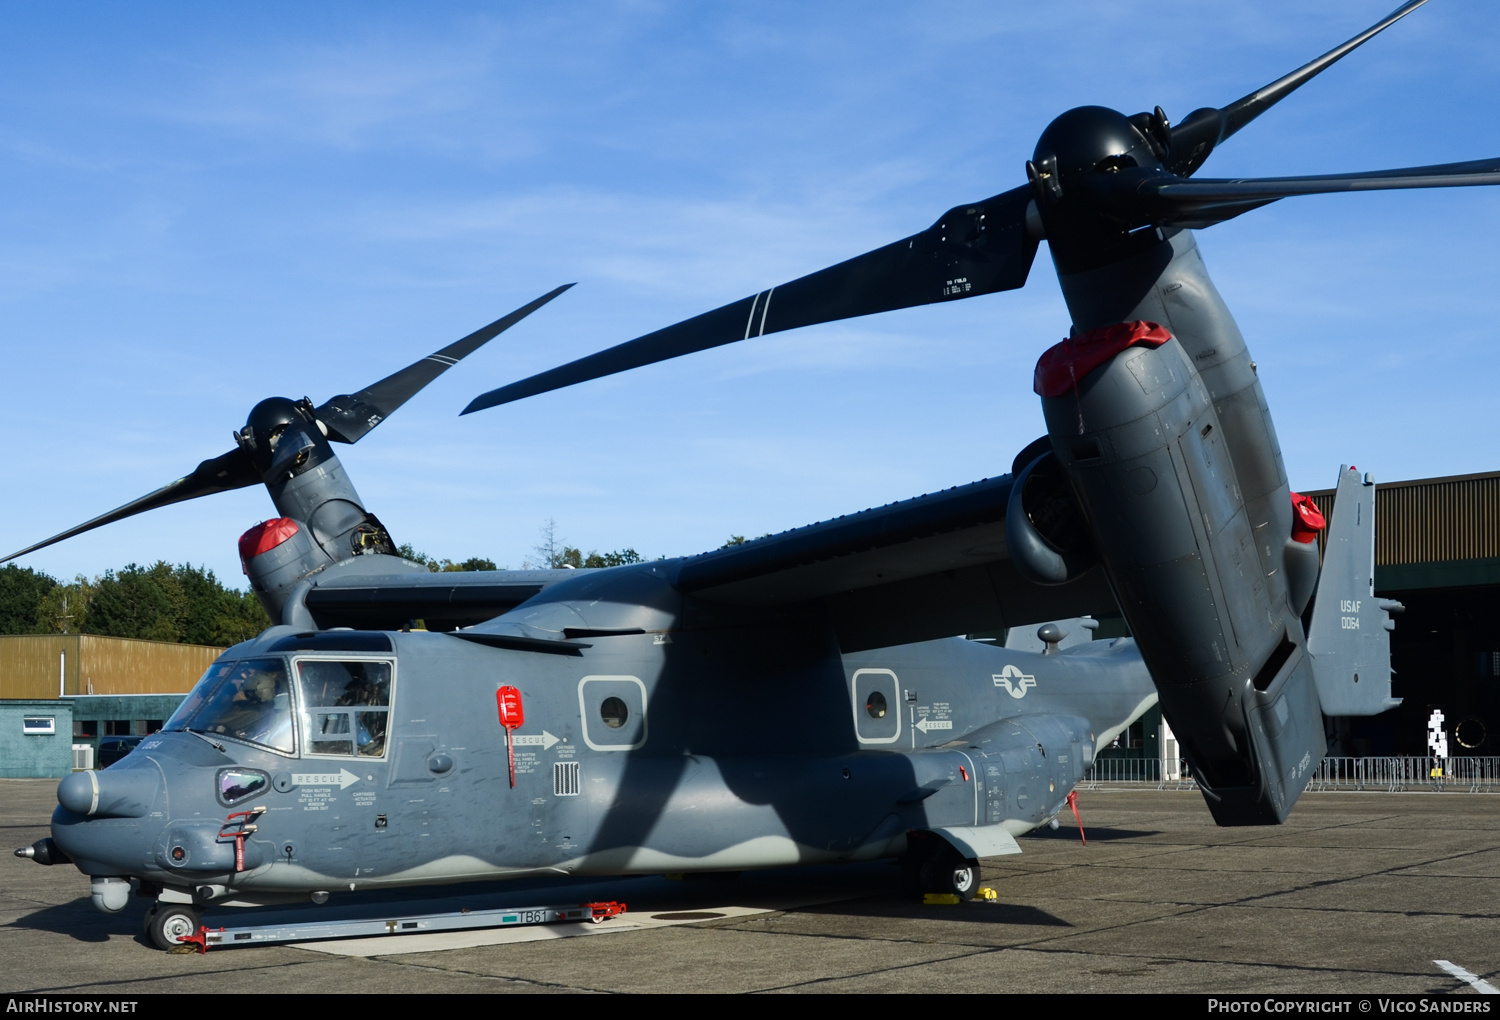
(264, 537)
(1307, 519)
(1063, 366)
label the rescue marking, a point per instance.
(341, 778)
(545, 739)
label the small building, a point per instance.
(60, 694)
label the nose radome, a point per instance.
(122, 793)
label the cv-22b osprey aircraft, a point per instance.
(617, 721)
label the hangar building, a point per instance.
(1437, 551)
(61, 694)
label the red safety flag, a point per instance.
(512, 715)
(1073, 803)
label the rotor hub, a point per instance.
(1093, 140)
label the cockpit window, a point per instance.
(247, 699)
(237, 784)
(345, 706)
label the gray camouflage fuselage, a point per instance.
(752, 748)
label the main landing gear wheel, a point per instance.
(961, 876)
(933, 866)
(169, 923)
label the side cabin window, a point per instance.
(345, 706)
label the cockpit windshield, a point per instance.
(246, 699)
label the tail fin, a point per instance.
(1349, 638)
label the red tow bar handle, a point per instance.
(240, 834)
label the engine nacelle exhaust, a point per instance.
(1046, 535)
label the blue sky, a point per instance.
(203, 205)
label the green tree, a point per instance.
(65, 609)
(217, 615)
(139, 602)
(161, 603)
(241, 617)
(438, 566)
(618, 558)
(203, 603)
(21, 593)
(571, 556)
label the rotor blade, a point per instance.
(973, 249)
(349, 416)
(233, 470)
(1202, 130)
(1156, 197)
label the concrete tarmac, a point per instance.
(1358, 893)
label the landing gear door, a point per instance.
(877, 706)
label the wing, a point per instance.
(923, 568)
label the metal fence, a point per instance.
(1393, 775)
(1476, 775)
(1162, 773)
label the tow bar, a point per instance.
(413, 924)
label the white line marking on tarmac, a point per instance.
(1478, 983)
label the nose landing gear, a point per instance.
(168, 925)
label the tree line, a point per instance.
(188, 604)
(160, 603)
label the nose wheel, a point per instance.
(167, 924)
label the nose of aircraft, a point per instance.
(116, 793)
(100, 827)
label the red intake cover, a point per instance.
(264, 537)
(512, 715)
(1307, 519)
(1061, 367)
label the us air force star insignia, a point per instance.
(1015, 682)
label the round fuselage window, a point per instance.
(614, 713)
